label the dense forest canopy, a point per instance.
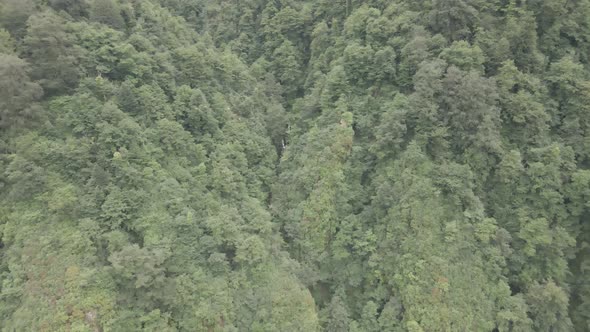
(295, 165)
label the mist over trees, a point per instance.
(295, 165)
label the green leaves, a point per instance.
(19, 95)
(249, 165)
(106, 12)
(49, 48)
(548, 306)
(464, 56)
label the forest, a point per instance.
(294, 165)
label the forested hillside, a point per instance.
(295, 165)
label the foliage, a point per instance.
(294, 165)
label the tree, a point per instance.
(548, 306)
(48, 48)
(107, 12)
(14, 15)
(76, 8)
(286, 64)
(568, 85)
(18, 94)
(454, 18)
(6, 43)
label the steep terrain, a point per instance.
(253, 165)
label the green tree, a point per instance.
(14, 15)
(19, 95)
(49, 49)
(107, 12)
